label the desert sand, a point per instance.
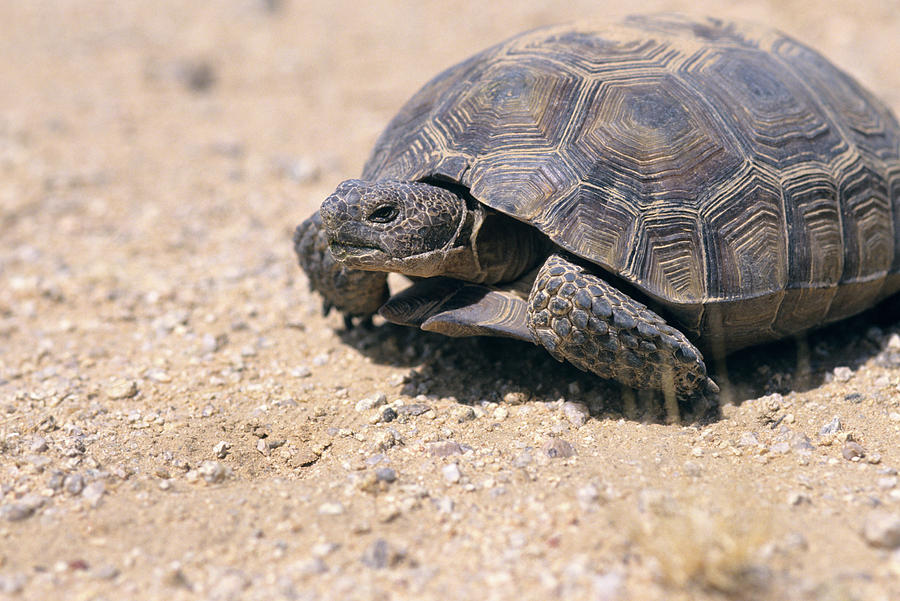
(178, 420)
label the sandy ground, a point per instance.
(178, 420)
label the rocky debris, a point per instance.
(882, 529)
(445, 448)
(843, 374)
(220, 450)
(214, 472)
(23, 508)
(557, 448)
(412, 410)
(576, 413)
(121, 389)
(371, 402)
(832, 427)
(515, 397)
(385, 474)
(451, 473)
(464, 414)
(853, 451)
(381, 554)
(93, 493)
(74, 484)
(331, 508)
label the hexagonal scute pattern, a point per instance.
(718, 168)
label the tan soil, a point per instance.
(154, 159)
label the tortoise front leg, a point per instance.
(353, 292)
(581, 319)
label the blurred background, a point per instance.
(155, 157)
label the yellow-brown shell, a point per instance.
(728, 172)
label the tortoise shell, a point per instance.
(731, 175)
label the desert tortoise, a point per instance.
(621, 194)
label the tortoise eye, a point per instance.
(383, 214)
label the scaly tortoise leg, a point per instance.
(581, 319)
(353, 292)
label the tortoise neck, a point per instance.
(505, 248)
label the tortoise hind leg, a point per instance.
(581, 319)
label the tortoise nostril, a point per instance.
(383, 214)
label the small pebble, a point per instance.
(381, 555)
(311, 567)
(413, 409)
(221, 449)
(22, 509)
(388, 415)
(371, 403)
(451, 473)
(800, 442)
(748, 439)
(15, 512)
(331, 508)
(576, 413)
(385, 474)
(106, 572)
(444, 504)
(74, 484)
(444, 448)
(515, 398)
(832, 427)
(384, 440)
(799, 498)
(94, 492)
(853, 451)
(464, 414)
(842, 374)
(214, 472)
(587, 496)
(38, 444)
(780, 448)
(301, 372)
(882, 529)
(12, 584)
(324, 548)
(558, 448)
(608, 586)
(123, 389)
(500, 413)
(887, 483)
(695, 470)
(522, 459)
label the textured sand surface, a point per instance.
(178, 420)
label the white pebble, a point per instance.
(451, 473)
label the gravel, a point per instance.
(412, 410)
(882, 529)
(451, 473)
(557, 448)
(832, 427)
(331, 508)
(123, 389)
(444, 448)
(380, 555)
(853, 451)
(576, 413)
(74, 484)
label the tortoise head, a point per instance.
(388, 225)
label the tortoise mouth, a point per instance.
(357, 253)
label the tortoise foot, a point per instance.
(581, 319)
(353, 292)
